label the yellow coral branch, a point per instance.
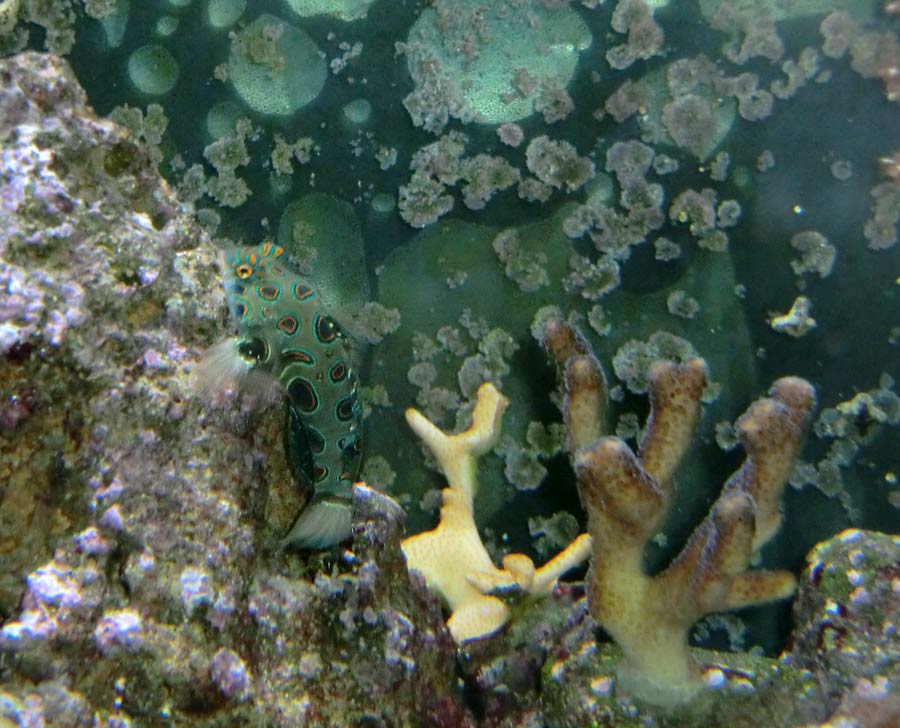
(456, 454)
(452, 557)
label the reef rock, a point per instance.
(847, 617)
(136, 588)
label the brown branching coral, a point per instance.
(627, 498)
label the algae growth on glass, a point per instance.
(452, 183)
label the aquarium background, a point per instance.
(371, 188)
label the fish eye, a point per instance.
(253, 350)
(244, 270)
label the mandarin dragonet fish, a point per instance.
(283, 333)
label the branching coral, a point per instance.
(627, 498)
(452, 557)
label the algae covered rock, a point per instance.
(136, 587)
(103, 312)
(845, 616)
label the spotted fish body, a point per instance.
(282, 331)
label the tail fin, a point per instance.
(327, 520)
